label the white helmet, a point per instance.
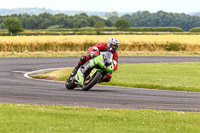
(113, 44)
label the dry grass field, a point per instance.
(132, 43)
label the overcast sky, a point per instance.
(179, 6)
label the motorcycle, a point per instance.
(92, 72)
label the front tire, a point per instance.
(70, 84)
(89, 85)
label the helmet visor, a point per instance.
(114, 47)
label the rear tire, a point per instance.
(92, 82)
(70, 84)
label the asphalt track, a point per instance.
(15, 88)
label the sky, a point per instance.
(179, 6)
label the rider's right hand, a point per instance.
(94, 53)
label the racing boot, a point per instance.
(82, 61)
(106, 78)
(75, 70)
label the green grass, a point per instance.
(165, 76)
(60, 119)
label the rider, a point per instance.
(111, 46)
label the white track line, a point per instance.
(26, 75)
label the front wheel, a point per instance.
(92, 82)
(69, 83)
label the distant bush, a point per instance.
(196, 29)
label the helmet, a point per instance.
(113, 44)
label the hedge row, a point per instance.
(133, 29)
(91, 33)
(101, 33)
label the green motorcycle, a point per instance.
(91, 72)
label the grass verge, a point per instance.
(79, 53)
(50, 119)
(165, 76)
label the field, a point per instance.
(131, 43)
(60, 119)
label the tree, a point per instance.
(1, 26)
(111, 14)
(99, 26)
(76, 24)
(13, 25)
(113, 18)
(122, 24)
(126, 16)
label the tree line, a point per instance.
(162, 19)
(138, 19)
(46, 20)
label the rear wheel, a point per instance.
(69, 83)
(87, 86)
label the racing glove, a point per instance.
(94, 53)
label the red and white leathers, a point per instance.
(94, 50)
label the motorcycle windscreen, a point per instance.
(108, 57)
(108, 60)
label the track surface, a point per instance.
(15, 88)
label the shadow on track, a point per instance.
(93, 90)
